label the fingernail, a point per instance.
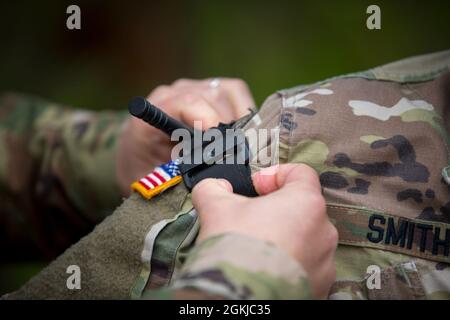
(270, 171)
(225, 184)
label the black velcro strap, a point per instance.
(239, 175)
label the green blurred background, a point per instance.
(126, 48)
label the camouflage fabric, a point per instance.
(380, 143)
(112, 255)
(111, 259)
(57, 176)
(217, 269)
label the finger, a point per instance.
(239, 95)
(200, 112)
(231, 99)
(209, 190)
(269, 180)
(190, 108)
(183, 83)
(216, 97)
(220, 101)
(159, 94)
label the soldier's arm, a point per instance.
(56, 157)
(63, 170)
(235, 266)
(256, 248)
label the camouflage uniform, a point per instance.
(380, 143)
(57, 180)
(56, 174)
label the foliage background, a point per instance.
(126, 48)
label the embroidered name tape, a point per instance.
(369, 228)
(160, 179)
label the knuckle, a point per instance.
(162, 87)
(307, 172)
(159, 91)
(199, 194)
(333, 236)
(239, 83)
(181, 82)
(202, 186)
(216, 95)
(192, 98)
(317, 201)
(316, 205)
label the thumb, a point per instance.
(274, 178)
(209, 189)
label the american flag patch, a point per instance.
(160, 179)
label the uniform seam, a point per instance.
(425, 76)
(447, 147)
(289, 139)
(419, 276)
(171, 269)
(413, 254)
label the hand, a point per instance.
(141, 147)
(290, 213)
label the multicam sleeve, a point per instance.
(56, 160)
(233, 266)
